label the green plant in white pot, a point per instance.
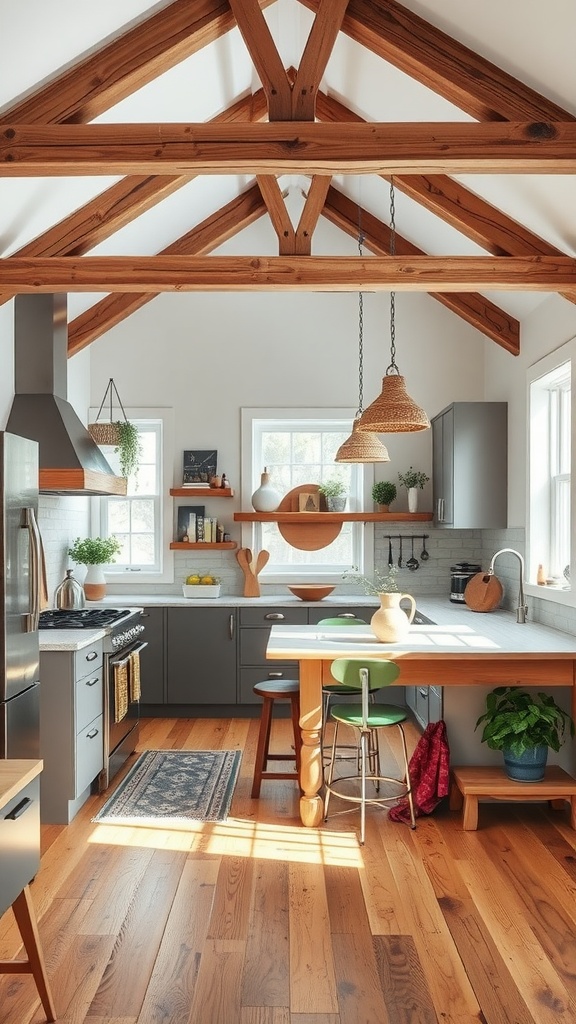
(335, 493)
(94, 552)
(413, 480)
(523, 725)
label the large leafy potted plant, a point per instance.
(94, 552)
(524, 725)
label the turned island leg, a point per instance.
(311, 803)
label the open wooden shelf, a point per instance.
(333, 517)
(202, 492)
(224, 545)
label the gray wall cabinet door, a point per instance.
(470, 466)
(201, 656)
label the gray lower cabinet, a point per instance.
(201, 656)
(71, 732)
(19, 842)
(426, 702)
(255, 625)
(152, 667)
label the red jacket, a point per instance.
(429, 773)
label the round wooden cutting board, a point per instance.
(483, 592)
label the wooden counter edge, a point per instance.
(15, 774)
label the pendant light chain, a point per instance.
(360, 327)
(392, 368)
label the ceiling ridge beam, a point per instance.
(123, 66)
(239, 213)
(287, 273)
(432, 57)
(485, 316)
(280, 148)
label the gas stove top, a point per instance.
(82, 618)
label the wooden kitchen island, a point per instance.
(464, 648)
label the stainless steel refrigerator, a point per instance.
(20, 598)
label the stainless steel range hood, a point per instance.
(70, 461)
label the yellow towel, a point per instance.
(120, 691)
(135, 676)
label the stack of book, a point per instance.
(195, 527)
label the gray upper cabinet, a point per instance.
(470, 466)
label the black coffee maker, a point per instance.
(460, 575)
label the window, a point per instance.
(142, 519)
(550, 468)
(298, 446)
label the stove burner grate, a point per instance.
(81, 618)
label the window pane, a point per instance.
(142, 516)
(142, 549)
(118, 516)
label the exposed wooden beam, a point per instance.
(293, 273)
(463, 77)
(274, 199)
(205, 237)
(482, 314)
(265, 58)
(315, 57)
(280, 148)
(122, 202)
(310, 215)
(126, 64)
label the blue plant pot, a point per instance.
(526, 767)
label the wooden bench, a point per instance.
(469, 783)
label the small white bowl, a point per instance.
(201, 589)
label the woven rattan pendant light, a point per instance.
(394, 411)
(361, 446)
(106, 431)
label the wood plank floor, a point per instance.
(257, 920)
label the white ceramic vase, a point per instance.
(265, 498)
(412, 499)
(95, 583)
(390, 623)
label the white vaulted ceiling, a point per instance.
(529, 40)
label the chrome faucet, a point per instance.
(522, 607)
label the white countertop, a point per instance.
(77, 639)
(232, 601)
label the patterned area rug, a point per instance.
(173, 787)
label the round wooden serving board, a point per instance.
(483, 592)
(304, 536)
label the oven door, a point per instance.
(122, 710)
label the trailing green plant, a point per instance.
(128, 448)
(517, 720)
(413, 478)
(378, 583)
(333, 488)
(384, 492)
(94, 550)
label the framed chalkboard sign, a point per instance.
(199, 466)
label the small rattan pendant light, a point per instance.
(361, 446)
(394, 411)
(107, 431)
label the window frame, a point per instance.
(541, 473)
(126, 577)
(250, 475)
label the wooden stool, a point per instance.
(271, 690)
(26, 920)
(468, 783)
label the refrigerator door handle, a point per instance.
(33, 616)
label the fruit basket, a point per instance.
(201, 589)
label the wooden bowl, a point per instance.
(311, 591)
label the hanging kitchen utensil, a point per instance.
(424, 554)
(400, 555)
(412, 562)
(390, 555)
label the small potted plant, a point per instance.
(523, 725)
(384, 493)
(334, 491)
(413, 480)
(94, 552)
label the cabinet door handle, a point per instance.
(275, 675)
(231, 626)
(276, 616)
(92, 682)
(92, 734)
(92, 656)
(346, 615)
(423, 691)
(18, 810)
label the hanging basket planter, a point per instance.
(119, 433)
(104, 433)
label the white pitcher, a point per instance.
(391, 623)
